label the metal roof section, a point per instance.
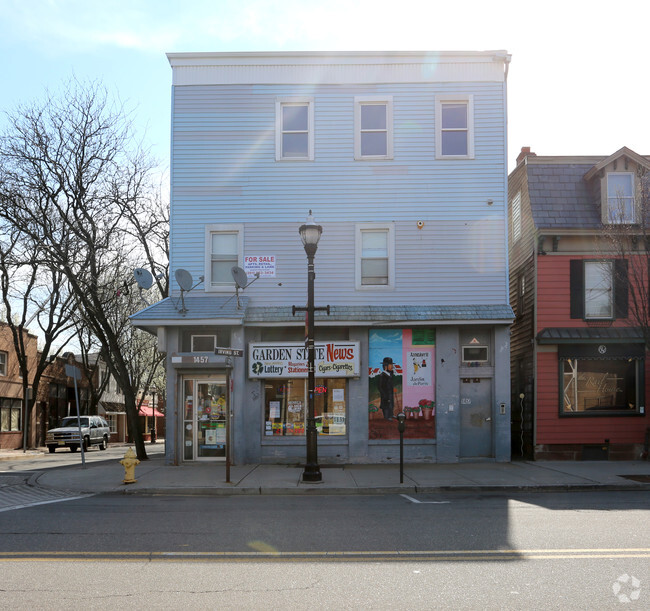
(211, 310)
(214, 310)
(585, 335)
(369, 315)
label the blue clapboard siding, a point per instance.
(224, 171)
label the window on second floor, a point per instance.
(223, 252)
(294, 126)
(454, 127)
(620, 198)
(375, 260)
(373, 128)
(599, 289)
(3, 363)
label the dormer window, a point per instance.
(620, 198)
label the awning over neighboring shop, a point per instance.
(586, 335)
(146, 411)
(594, 342)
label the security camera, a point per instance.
(420, 224)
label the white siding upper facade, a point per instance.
(414, 143)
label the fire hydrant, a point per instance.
(129, 461)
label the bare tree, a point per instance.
(32, 293)
(74, 180)
(630, 243)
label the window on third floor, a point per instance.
(3, 363)
(373, 127)
(454, 127)
(294, 126)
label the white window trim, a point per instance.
(609, 265)
(390, 227)
(380, 100)
(279, 103)
(516, 217)
(4, 363)
(221, 228)
(607, 216)
(461, 99)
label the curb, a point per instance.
(263, 491)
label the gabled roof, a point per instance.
(621, 153)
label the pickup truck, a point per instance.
(94, 431)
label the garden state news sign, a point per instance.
(289, 360)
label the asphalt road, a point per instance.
(543, 551)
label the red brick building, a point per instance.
(11, 387)
(578, 354)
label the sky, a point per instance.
(577, 84)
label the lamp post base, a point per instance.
(312, 474)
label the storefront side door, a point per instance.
(475, 418)
(206, 413)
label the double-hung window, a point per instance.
(223, 252)
(375, 259)
(373, 127)
(620, 198)
(294, 126)
(10, 411)
(599, 289)
(3, 363)
(454, 127)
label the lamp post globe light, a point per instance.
(310, 234)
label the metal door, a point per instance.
(475, 418)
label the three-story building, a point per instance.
(401, 156)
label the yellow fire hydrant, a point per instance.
(129, 461)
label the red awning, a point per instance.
(146, 411)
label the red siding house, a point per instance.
(578, 237)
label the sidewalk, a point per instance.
(209, 478)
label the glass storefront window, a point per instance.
(285, 404)
(592, 386)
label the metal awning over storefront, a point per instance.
(595, 342)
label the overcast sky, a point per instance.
(578, 82)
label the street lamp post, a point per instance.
(310, 233)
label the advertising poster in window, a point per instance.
(402, 378)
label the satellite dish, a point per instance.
(184, 279)
(239, 276)
(143, 277)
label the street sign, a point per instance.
(228, 352)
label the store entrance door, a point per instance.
(206, 418)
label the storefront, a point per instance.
(591, 393)
(237, 388)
